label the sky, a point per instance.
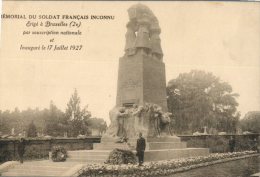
(218, 37)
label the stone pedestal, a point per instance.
(163, 148)
(168, 154)
(141, 79)
(141, 103)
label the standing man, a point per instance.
(232, 144)
(255, 145)
(140, 148)
(21, 149)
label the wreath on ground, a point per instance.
(58, 154)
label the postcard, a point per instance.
(172, 85)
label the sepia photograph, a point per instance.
(129, 88)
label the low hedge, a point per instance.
(220, 143)
(158, 168)
(33, 152)
(39, 147)
(5, 155)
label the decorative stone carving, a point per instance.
(122, 115)
(143, 33)
(156, 46)
(130, 39)
(143, 37)
(128, 122)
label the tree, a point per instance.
(251, 122)
(77, 118)
(32, 130)
(55, 121)
(5, 126)
(99, 124)
(198, 99)
(19, 120)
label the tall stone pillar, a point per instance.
(141, 79)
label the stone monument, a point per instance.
(141, 104)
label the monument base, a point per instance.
(163, 148)
(168, 154)
(168, 142)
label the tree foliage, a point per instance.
(199, 99)
(77, 118)
(19, 120)
(99, 124)
(51, 121)
(55, 122)
(32, 132)
(251, 122)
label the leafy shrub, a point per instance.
(5, 155)
(220, 144)
(120, 156)
(58, 154)
(33, 152)
(217, 144)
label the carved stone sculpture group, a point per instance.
(143, 33)
(150, 120)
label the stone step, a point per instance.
(148, 139)
(43, 172)
(45, 163)
(88, 152)
(29, 173)
(167, 154)
(82, 160)
(89, 157)
(154, 155)
(110, 146)
(111, 143)
(39, 168)
(164, 139)
(25, 174)
(165, 145)
(150, 146)
(114, 140)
